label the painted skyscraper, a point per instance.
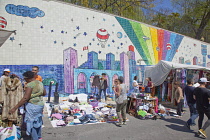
(70, 62)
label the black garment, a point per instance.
(188, 90)
(180, 107)
(201, 113)
(201, 96)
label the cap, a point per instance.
(203, 80)
(7, 70)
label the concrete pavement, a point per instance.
(170, 128)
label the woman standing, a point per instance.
(34, 106)
(149, 85)
(135, 85)
(121, 100)
(179, 98)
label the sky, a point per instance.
(165, 4)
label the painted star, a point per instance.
(66, 32)
(55, 42)
(113, 41)
(75, 45)
(42, 27)
(109, 45)
(62, 43)
(85, 34)
(93, 39)
(113, 24)
(62, 31)
(12, 38)
(90, 44)
(20, 45)
(121, 44)
(75, 37)
(118, 47)
(22, 23)
(104, 19)
(72, 19)
(52, 31)
(99, 52)
(98, 44)
(77, 28)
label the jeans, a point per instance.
(36, 133)
(180, 107)
(201, 113)
(121, 111)
(100, 91)
(193, 113)
(147, 90)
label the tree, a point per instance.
(195, 15)
(127, 8)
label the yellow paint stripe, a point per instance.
(154, 39)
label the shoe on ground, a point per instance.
(124, 123)
(188, 126)
(202, 132)
(119, 123)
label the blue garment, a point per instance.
(86, 118)
(33, 120)
(193, 113)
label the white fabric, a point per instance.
(135, 83)
(81, 97)
(159, 72)
(4, 35)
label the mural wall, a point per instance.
(78, 43)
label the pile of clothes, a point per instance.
(74, 112)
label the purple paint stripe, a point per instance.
(165, 41)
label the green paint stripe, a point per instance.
(146, 32)
(131, 34)
(139, 33)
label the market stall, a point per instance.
(165, 73)
(80, 109)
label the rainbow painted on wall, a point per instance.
(152, 44)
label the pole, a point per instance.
(56, 95)
(49, 94)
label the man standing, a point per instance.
(35, 69)
(202, 97)
(188, 90)
(103, 85)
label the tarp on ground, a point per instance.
(4, 35)
(159, 72)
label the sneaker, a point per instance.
(188, 126)
(119, 123)
(202, 132)
(124, 123)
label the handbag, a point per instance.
(119, 99)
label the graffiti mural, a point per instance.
(74, 44)
(3, 22)
(25, 11)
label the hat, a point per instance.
(7, 70)
(203, 80)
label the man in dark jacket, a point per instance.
(202, 97)
(103, 85)
(188, 90)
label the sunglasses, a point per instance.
(34, 70)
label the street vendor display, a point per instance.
(78, 110)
